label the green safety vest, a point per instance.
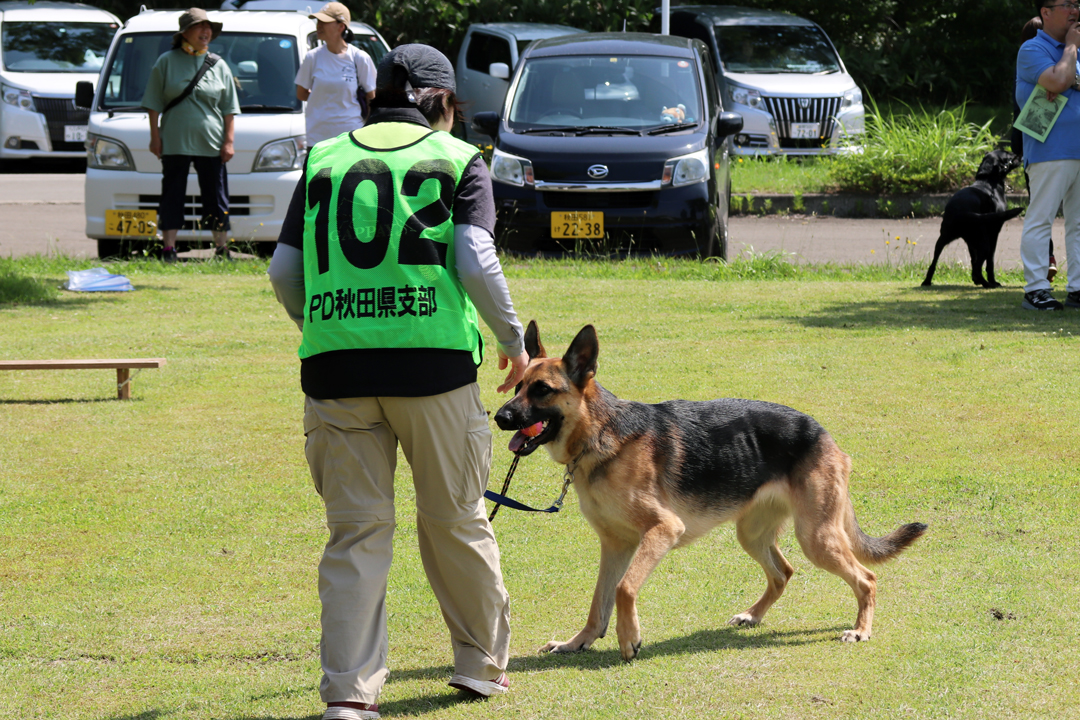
(379, 265)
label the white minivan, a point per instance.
(45, 49)
(123, 178)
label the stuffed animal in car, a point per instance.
(673, 115)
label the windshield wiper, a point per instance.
(267, 108)
(553, 128)
(663, 129)
(124, 108)
(605, 129)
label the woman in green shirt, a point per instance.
(198, 130)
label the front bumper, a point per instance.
(667, 220)
(25, 134)
(257, 202)
(762, 134)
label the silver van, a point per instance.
(783, 74)
(45, 49)
(489, 53)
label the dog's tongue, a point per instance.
(517, 441)
(522, 435)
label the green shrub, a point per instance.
(918, 151)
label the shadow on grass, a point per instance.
(965, 308)
(63, 401)
(726, 638)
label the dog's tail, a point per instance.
(877, 550)
(991, 219)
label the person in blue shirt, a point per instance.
(1053, 167)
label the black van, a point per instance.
(612, 143)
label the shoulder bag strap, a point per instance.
(361, 93)
(209, 62)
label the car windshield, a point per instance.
(579, 92)
(56, 47)
(371, 45)
(264, 67)
(776, 49)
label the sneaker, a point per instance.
(483, 688)
(1073, 299)
(1041, 300)
(222, 251)
(1052, 271)
(364, 712)
(168, 255)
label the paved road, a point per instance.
(43, 213)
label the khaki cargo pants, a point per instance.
(352, 452)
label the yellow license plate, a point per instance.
(131, 223)
(586, 224)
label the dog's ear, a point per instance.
(580, 358)
(533, 346)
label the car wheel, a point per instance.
(722, 229)
(109, 248)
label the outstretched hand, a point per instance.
(517, 365)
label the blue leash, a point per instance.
(500, 499)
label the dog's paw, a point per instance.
(630, 650)
(854, 636)
(992, 285)
(572, 646)
(744, 620)
(927, 283)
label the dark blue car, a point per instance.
(612, 143)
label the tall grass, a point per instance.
(920, 151)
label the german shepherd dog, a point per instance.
(650, 478)
(976, 214)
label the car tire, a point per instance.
(717, 244)
(723, 230)
(109, 248)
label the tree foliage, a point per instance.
(915, 50)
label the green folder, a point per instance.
(1038, 115)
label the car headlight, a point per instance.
(287, 154)
(17, 97)
(106, 154)
(745, 96)
(851, 97)
(687, 170)
(511, 169)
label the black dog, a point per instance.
(976, 214)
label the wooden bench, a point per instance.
(123, 368)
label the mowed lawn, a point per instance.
(158, 557)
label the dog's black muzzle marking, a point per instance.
(509, 418)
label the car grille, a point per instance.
(791, 110)
(597, 200)
(238, 205)
(59, 112)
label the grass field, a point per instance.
(158, 556)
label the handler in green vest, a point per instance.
(385, 259)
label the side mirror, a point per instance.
(488, 122)
(84, 94)
(499, 70)
(729, 123)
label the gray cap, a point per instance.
(415, 66)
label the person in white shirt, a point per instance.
(330, 77)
